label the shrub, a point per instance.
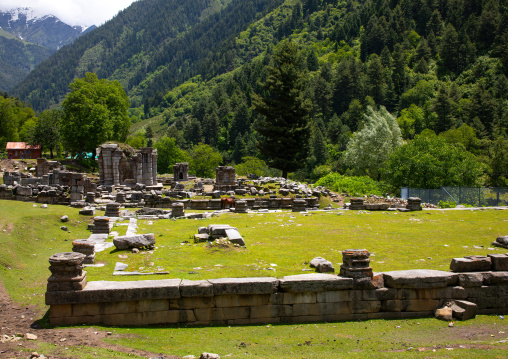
(447, 204)
(354, 185)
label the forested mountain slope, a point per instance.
(27, 39)
(436, 66)
(141, 45)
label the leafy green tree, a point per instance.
(204, 160)
(499, 162)
(47, 130)
(95, 111)
(428, 161)
(16, 119)
(370, 147)
(411, 121)
(136, 141)
(285, 110)
(168, 153)
(252, 165)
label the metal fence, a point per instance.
(474, 196)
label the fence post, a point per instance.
(460, 195)
(497, 197)
(479, 196)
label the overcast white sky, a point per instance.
(72, 12)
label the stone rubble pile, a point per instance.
(216, 231)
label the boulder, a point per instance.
(322, 265)
(137, 241)
(463, 309)
(64, 218)
(445, 313)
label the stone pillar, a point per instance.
(357, 204)
(241, 206)
(90, 197)
(115, 159)
(66, 272)
(120, 197)
(147, 166)
(85, 247)
(356, 264)
(414, 204)
(154, 167)
(101, 225)
(177, 210)
(299, 205)
(112, 209)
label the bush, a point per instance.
(353, 186)
(447, 204)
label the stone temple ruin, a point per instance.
(225, 178)
(119, 166)
(181, 171)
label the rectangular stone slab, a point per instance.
(419, 278)
(106, 291)
(314, 282)
(196, 288)
(254, 285)
(235, 237)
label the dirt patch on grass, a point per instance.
(15, 320)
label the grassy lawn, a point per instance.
(29, 235)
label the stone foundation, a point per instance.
(292, 299)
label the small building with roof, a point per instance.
(21, 150)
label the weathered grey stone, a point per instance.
(467, 280)
(235, 237)
(120, 266)
(198, 238)
(254, 285)
(502, 240)
(471, 264)
(123, 291)
(137, 241)
(196, 288)
(495, 278)
(87, 211)
(325, 267)
(315, 261)
(219, 230)
(463, 309)
(314, 282)
(209, 356)
(499, 262)
(64, 218)
(419, 278)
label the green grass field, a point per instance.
(29, 235)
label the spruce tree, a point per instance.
(284, 124)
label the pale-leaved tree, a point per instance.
(370, 147)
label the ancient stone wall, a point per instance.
(292, 299)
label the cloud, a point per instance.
(73, 12)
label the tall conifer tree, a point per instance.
(285, 121)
